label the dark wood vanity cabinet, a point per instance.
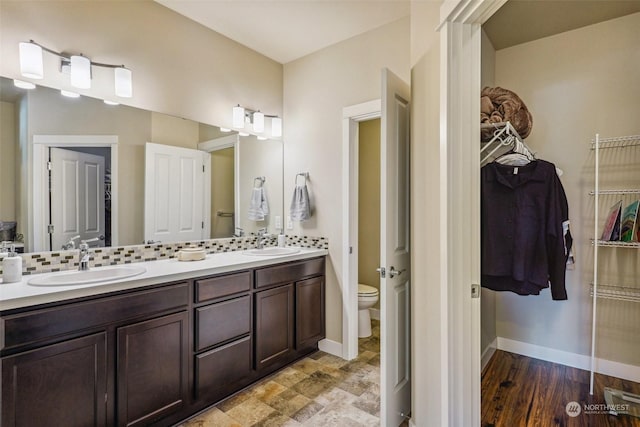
(62, 363)
(157, 355)
(152, 369)
(275, 323)
(61, 384)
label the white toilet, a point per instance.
(367, 298)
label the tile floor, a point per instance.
(319, 390)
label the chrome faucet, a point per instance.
(262, 238)
(71, 244)
(85, 255)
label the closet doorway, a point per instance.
(543, 347)
(394, 254)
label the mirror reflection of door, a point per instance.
(222, 192)
(77, 197)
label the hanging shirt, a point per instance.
(525, 235)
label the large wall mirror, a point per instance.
(122, 176)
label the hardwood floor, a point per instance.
(518, 391)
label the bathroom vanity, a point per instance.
(156, 348)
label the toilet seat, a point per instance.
(366, 290)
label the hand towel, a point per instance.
(258, 205)
(300, 209)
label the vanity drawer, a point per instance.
(217, 323)
(220, 286)
(223, 371)
(288, 273)
(48, 323)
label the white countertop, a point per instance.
(21, 294)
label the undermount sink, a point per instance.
(68, 278)
(272, 251)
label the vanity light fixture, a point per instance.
(79, 66)
(242, 115)
(23, 85)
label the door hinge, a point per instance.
(49, 166)
(203, 225)
(382, 271)
(50, 228)
(350, 250)
(475, 290)
(105, 398)
(202, 168)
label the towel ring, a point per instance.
(305, 175)
(259, 178)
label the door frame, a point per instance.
(37, 224)
(351, 117)
(459, 194)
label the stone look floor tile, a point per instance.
(320, 390)
(250, 412)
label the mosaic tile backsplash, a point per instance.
(45, 262)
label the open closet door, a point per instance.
(395, 299)
(175, 184)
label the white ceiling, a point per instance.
(285, 30)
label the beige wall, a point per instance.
(222, 187)
(316, 89)
(369, 203)
(428, 326)
(8, 144)
(179, 67)
(171, 130)
(591, 85)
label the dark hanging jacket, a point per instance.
(525, 236)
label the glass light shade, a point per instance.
(69, 94)
(258, 122)
(106, 101)
(123, 82)
(276, 127)
(238, 117)
(23, 85)
(31, 64)
(80, 76)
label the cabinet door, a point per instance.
(62, 384)
(152, 369)
(309, 312)
(274, 325)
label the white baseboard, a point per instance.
(374, 313)
(488, 353)
(581, 361)
(331, 347)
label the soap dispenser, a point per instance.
(12, 267)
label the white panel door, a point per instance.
(395, 349)
(77, 197)
(176, 183)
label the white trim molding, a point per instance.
(331, 347)
(351, 116)
(575, 360)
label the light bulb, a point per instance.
(276, 127)
(80, 76)
(31, 64)
(123, 82)
(258, 122)
(238, 117)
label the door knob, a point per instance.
(393, 272)
(382, 272)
